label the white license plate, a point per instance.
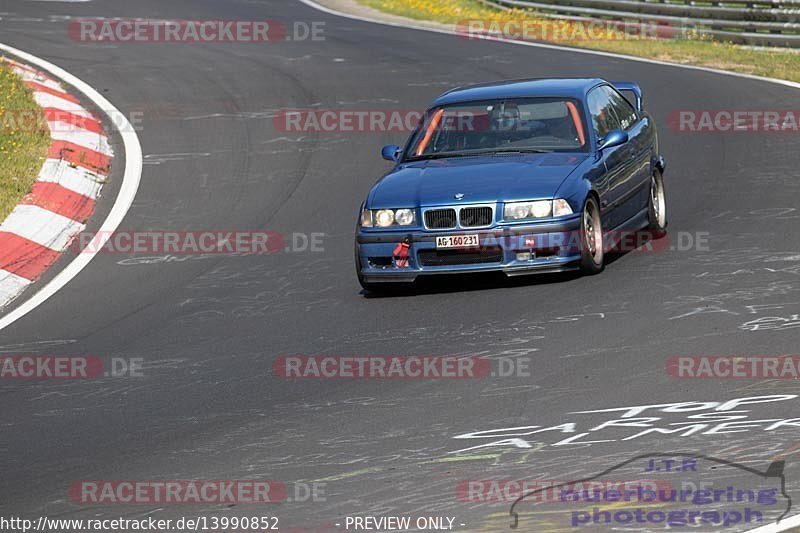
(457, 241)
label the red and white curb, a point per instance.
(63, 197)
(129, 185)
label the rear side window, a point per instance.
(623, 109)
(601, 108)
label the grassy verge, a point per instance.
(695, 51)
(24, 139)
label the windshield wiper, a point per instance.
(480, 151)
(519, 151)
(441, 155)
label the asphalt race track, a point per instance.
(208, 328)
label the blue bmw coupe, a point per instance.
(519, 177)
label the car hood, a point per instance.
(485, 179)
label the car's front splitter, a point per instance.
(516, 250)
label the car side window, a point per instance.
(601, 108)
(623, 109)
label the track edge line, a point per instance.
(127, 192)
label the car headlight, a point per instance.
(523, 210)
(518, 210)
(561, 208)
(541, 209)
(384, 217)
(387, 217)
(536, 209)
(366, 218)
(404, 217)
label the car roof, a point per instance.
(554, 87)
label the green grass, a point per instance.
(695, 51)
(24, 139)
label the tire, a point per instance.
(592, 251)
(379, 288)
(657, 214)
(387, 288)
(369, 287)
(372, 288)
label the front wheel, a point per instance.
(392, 288)
(378, 288)
(592, 251)
(367, 286)
(658, 206)
(371, 288)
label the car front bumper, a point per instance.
(550, 247)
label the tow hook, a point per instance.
(400, 253)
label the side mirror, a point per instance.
(614, 138)
(391, 152)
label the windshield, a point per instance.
(506, 125)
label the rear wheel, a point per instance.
(658, 206)
(592, 252)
